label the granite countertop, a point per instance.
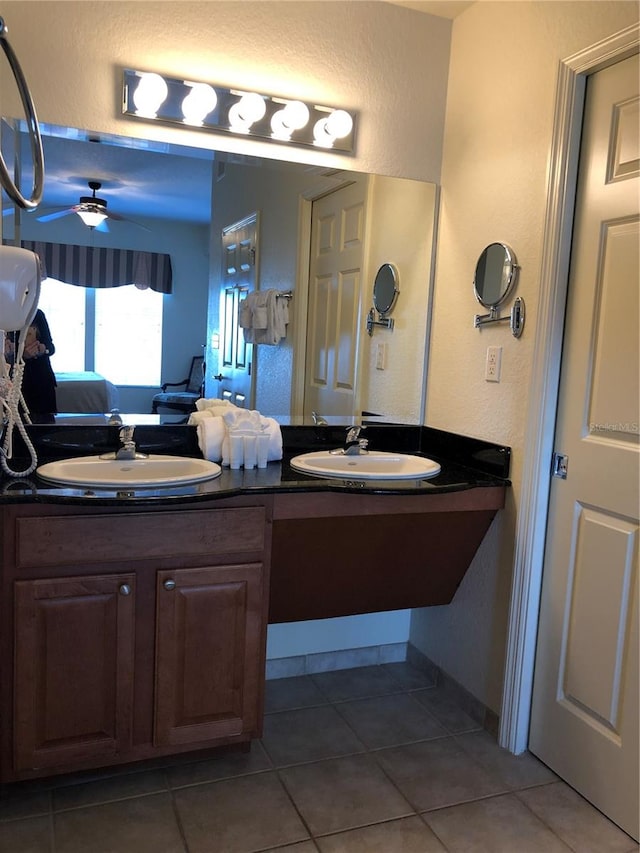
(467, 463)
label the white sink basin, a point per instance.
(374, 465)
(155, 470)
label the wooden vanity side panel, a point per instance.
(368, 564)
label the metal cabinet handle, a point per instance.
(169, 584)
(125, 589)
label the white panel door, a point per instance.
(335, 285)
(239, 275)
(584, 722)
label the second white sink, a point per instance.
(154, 470)
(374, 465)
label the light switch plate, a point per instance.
(381, 356)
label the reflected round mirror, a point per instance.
(385, 289)
(495, 275)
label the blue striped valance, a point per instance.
(89, 266)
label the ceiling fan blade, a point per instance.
(58, 214)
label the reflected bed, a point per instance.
(85, 392)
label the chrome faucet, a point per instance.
(354, 444)
(128, 449)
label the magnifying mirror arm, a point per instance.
(387, 322)
(515, 318)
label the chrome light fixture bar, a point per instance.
(153, 97)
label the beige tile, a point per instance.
(119, 787)
(407, 835)
(142, 825)
(390, 720)
(444, 705)
(301, 847)
(308, 734)
(356, 683)
(238, 815)
(517, 771)
(223, 766)
(575, 820)
(285, 694)
(343, 793)
(438, 773)
(32, 835)
(20, 804)
(495, 825)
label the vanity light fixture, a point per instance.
(153, 97)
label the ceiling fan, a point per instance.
(91, 209)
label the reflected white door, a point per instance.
(335, 285)
(239, 275)
(584, 722)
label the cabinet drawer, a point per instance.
(65, 540)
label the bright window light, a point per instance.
(128, 341)
(114, 331)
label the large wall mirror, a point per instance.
(179, 200)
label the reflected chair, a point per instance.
(185, 400)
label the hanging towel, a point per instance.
(264, 316)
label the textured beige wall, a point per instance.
(400, 223)
(387, 62)
(498, 132)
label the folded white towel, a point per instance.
(210, 403)
(272, 428)
(211, 434)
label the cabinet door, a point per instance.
(74, 645)
(209, 653)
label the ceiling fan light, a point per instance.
(91, 218)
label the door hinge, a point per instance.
(559, 465)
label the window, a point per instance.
(115, 331)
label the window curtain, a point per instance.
(88, 266)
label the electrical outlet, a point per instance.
(381, 356)
(493, 364)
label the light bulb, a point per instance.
(292, 117)
(339, 124)
(150, 93)
(249, 109)
(200, 101)
(321, 136)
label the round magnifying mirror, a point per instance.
(385, 289)
(495, 275)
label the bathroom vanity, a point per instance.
(133, 624)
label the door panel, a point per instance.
(335, 285)
(208, 653)
(584, 721)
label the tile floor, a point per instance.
(368, 760)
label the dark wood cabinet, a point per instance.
(208, 640)
(115, 653)
(74, 642)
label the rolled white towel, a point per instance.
(211, 433)
(272, 428)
